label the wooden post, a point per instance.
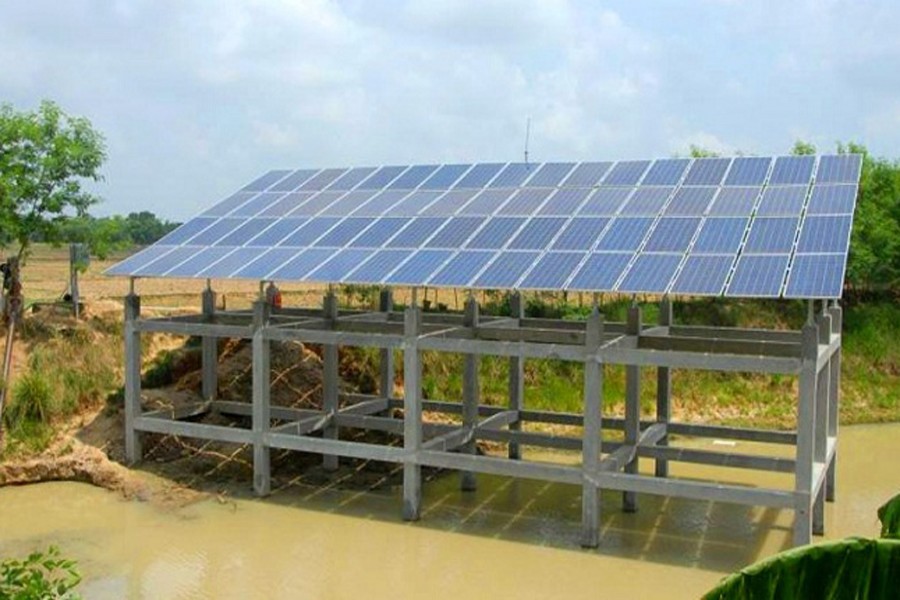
(632, 406)
(133, 450)
(664, 390)
(806, 422)
(471, 394)
(209, 350)
(331, 380)
(516, 377)
(834, 397)
(591, 446)
(412, 414)
(386, 375)
(262, 374)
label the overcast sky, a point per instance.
(197, 98)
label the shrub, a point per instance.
(42, 575)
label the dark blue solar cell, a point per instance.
(263, 265)
(277, 232)
(832, 200)
(414, 204)
(230, 263)
(168, 261)
(816, 276)
(294, 269)
(445, 177)
(825, 234)
(600, 272)
(341, 234)
(782, 201)
(721, 235)
(316, 204)
(339, 266)
(258, 205)
(514, 174)
(200, 261)
(703, 275)
(294, 180)
(134, 262)
(462, 268)
(379, 233)
(246, 232)
(378, 266)
(287, 204)
(229, 204)
(565, 202)
(758, 276)
(310, 232)
(587, 174)
(322, 180)
(580, 234)
(735, 202)
(707, 171)
(672, 234)
(844, 168)
(413, 177)
(351, 179)
(550, 174)
(348, 203)
(626, 172)
(415, 234)
(666, 172)
(455, 233)
(479, 175)
(496, 233)
(552, 271)
(506, 270)
(381, 178)
(380, 204)
(525, 202)
(449, 203)
(537, 233)
(796, 170)
(487, 202)
(216, 231)
(650, 273)
(748, 170)
(690, 201)
(186, 231)
(647, 201)
(419, 268)
(263, 183)
(606, 201)
(625, 234)
(771, 235)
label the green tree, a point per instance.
(802, 148)
(45, 157)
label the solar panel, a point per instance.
(693, 226)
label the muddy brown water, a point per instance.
(510, 539)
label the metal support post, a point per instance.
(664, 390)
(133, 449)
(471, 393)
(386, 375)
(820, 450)
(331, 379)
(806, 422)
(412, 414)
(834, 396)
(593, 413)
(516, 377)
(209, 350)
(261, 409)
(632, 406)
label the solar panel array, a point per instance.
(745, 226)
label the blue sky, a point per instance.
(196, 98)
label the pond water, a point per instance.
(511, 538)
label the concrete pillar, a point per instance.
(412, 414)
(664, 390)
(632, 406)
(133, 447)
(386, 374)
(516, 377)
(331, 379)
(209, 350)
(593, 422)
(471, 393)
(834, 396)
(820, 450)
(262, 374)
(806, 422)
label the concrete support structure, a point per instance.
(471, 394)
(386, 367)
(331, 379)
(834, 397)
(593, 423)
(516, 375)
(633, 327)
(133, 449)
(209, 349)
(664, 389)
(412, 414)
(261, 413)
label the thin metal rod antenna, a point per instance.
(527, 137)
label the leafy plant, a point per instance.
(42, 575)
